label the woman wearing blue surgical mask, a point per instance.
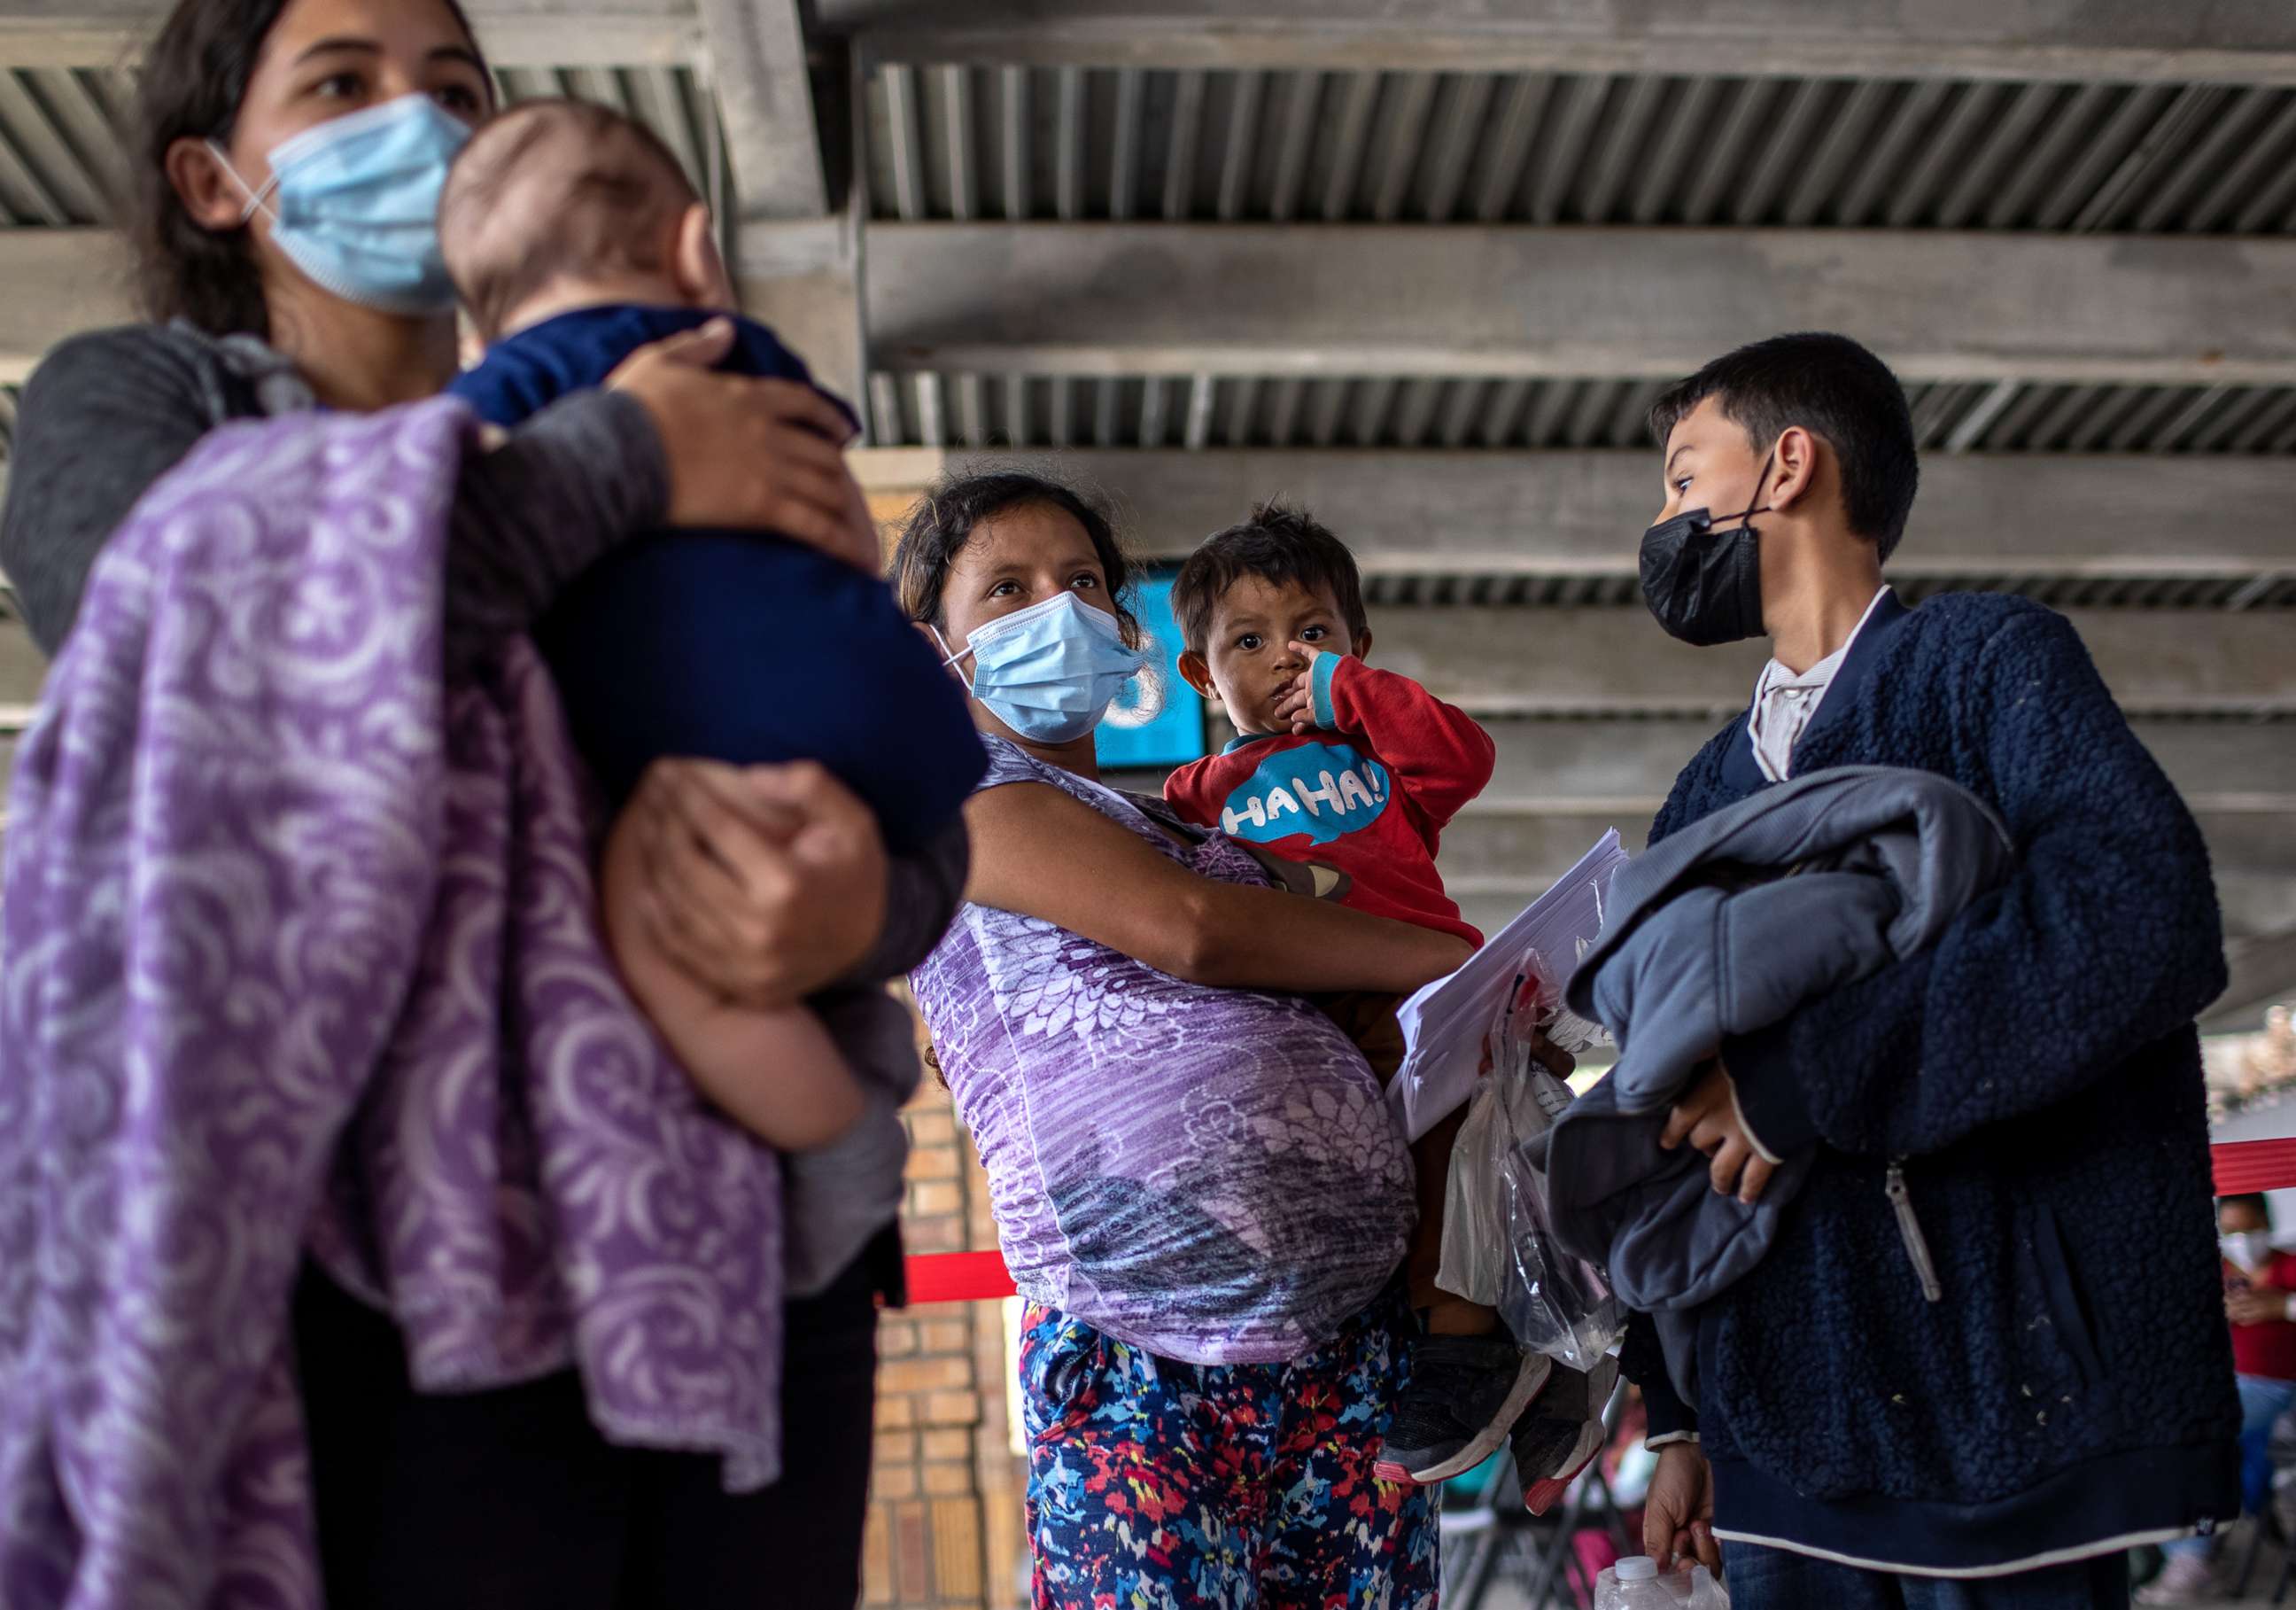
(1197, 1183)
(286, 158)
(285, 161)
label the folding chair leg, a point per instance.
(2248, 1559)
(1560, 1554)
(1478, 1558)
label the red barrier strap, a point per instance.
(958, 1278)
(2240, 1166)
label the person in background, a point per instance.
(2259, 1300)
(1198, 1187)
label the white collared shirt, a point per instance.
(1784, 703)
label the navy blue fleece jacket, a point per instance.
(2038, 1073)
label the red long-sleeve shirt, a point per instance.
(1368, 794)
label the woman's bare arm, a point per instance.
(1037, 851)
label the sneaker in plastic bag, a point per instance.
(1465, 1393)
(1559, 1434)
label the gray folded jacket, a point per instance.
(1723, 928)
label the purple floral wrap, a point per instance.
(300, 958)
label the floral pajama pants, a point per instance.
(1158, 1485)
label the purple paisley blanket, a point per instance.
(299, 960)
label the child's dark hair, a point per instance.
(2247, 1199)
(192, 82)
(1831, 387)
(1278, 544)
(953, 508)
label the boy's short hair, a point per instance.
(555, 187)
(1278, 544)
(1831, 387)
(2247, 1199)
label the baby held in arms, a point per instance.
(575, 239)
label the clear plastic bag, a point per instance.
(1496, 1247)
(1475, 1216)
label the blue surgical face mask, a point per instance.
(1049, 671)
(354, 203)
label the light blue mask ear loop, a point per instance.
(948, 659)
(254, 198)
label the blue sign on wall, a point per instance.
(1158, 720)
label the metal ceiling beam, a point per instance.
(1320, 300)
(797, 275)
(1325, 300)
(52, 283)
(801, 277)
(2221, 766)
(22, 669)
(1559, 783)
(1491, 901)
(1491, 841)
(1617, 662)
(1579, 513)
(757, 63)
(513, 33)
(2250, 41)
(2263, 972)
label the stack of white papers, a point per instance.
(1445, 1024)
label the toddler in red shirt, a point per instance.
(1355, 772)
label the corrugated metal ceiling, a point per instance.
(2059, 592)
(968, 142)
(63, 157)
(973, 410)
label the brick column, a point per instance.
(945, 1530)
(945, 1506)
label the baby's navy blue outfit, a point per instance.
(734, 646)
(751, 648)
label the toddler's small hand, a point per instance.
(1297, 707)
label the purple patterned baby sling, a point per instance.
(299, 956)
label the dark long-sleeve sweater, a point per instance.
(108, 414)
(2037, 1076)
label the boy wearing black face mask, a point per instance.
(2024, 1099)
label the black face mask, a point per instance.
(1705, 586)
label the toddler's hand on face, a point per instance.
(1296, 708)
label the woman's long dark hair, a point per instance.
(194, 80)
(953, 508)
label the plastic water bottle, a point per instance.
(1634, 1584)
